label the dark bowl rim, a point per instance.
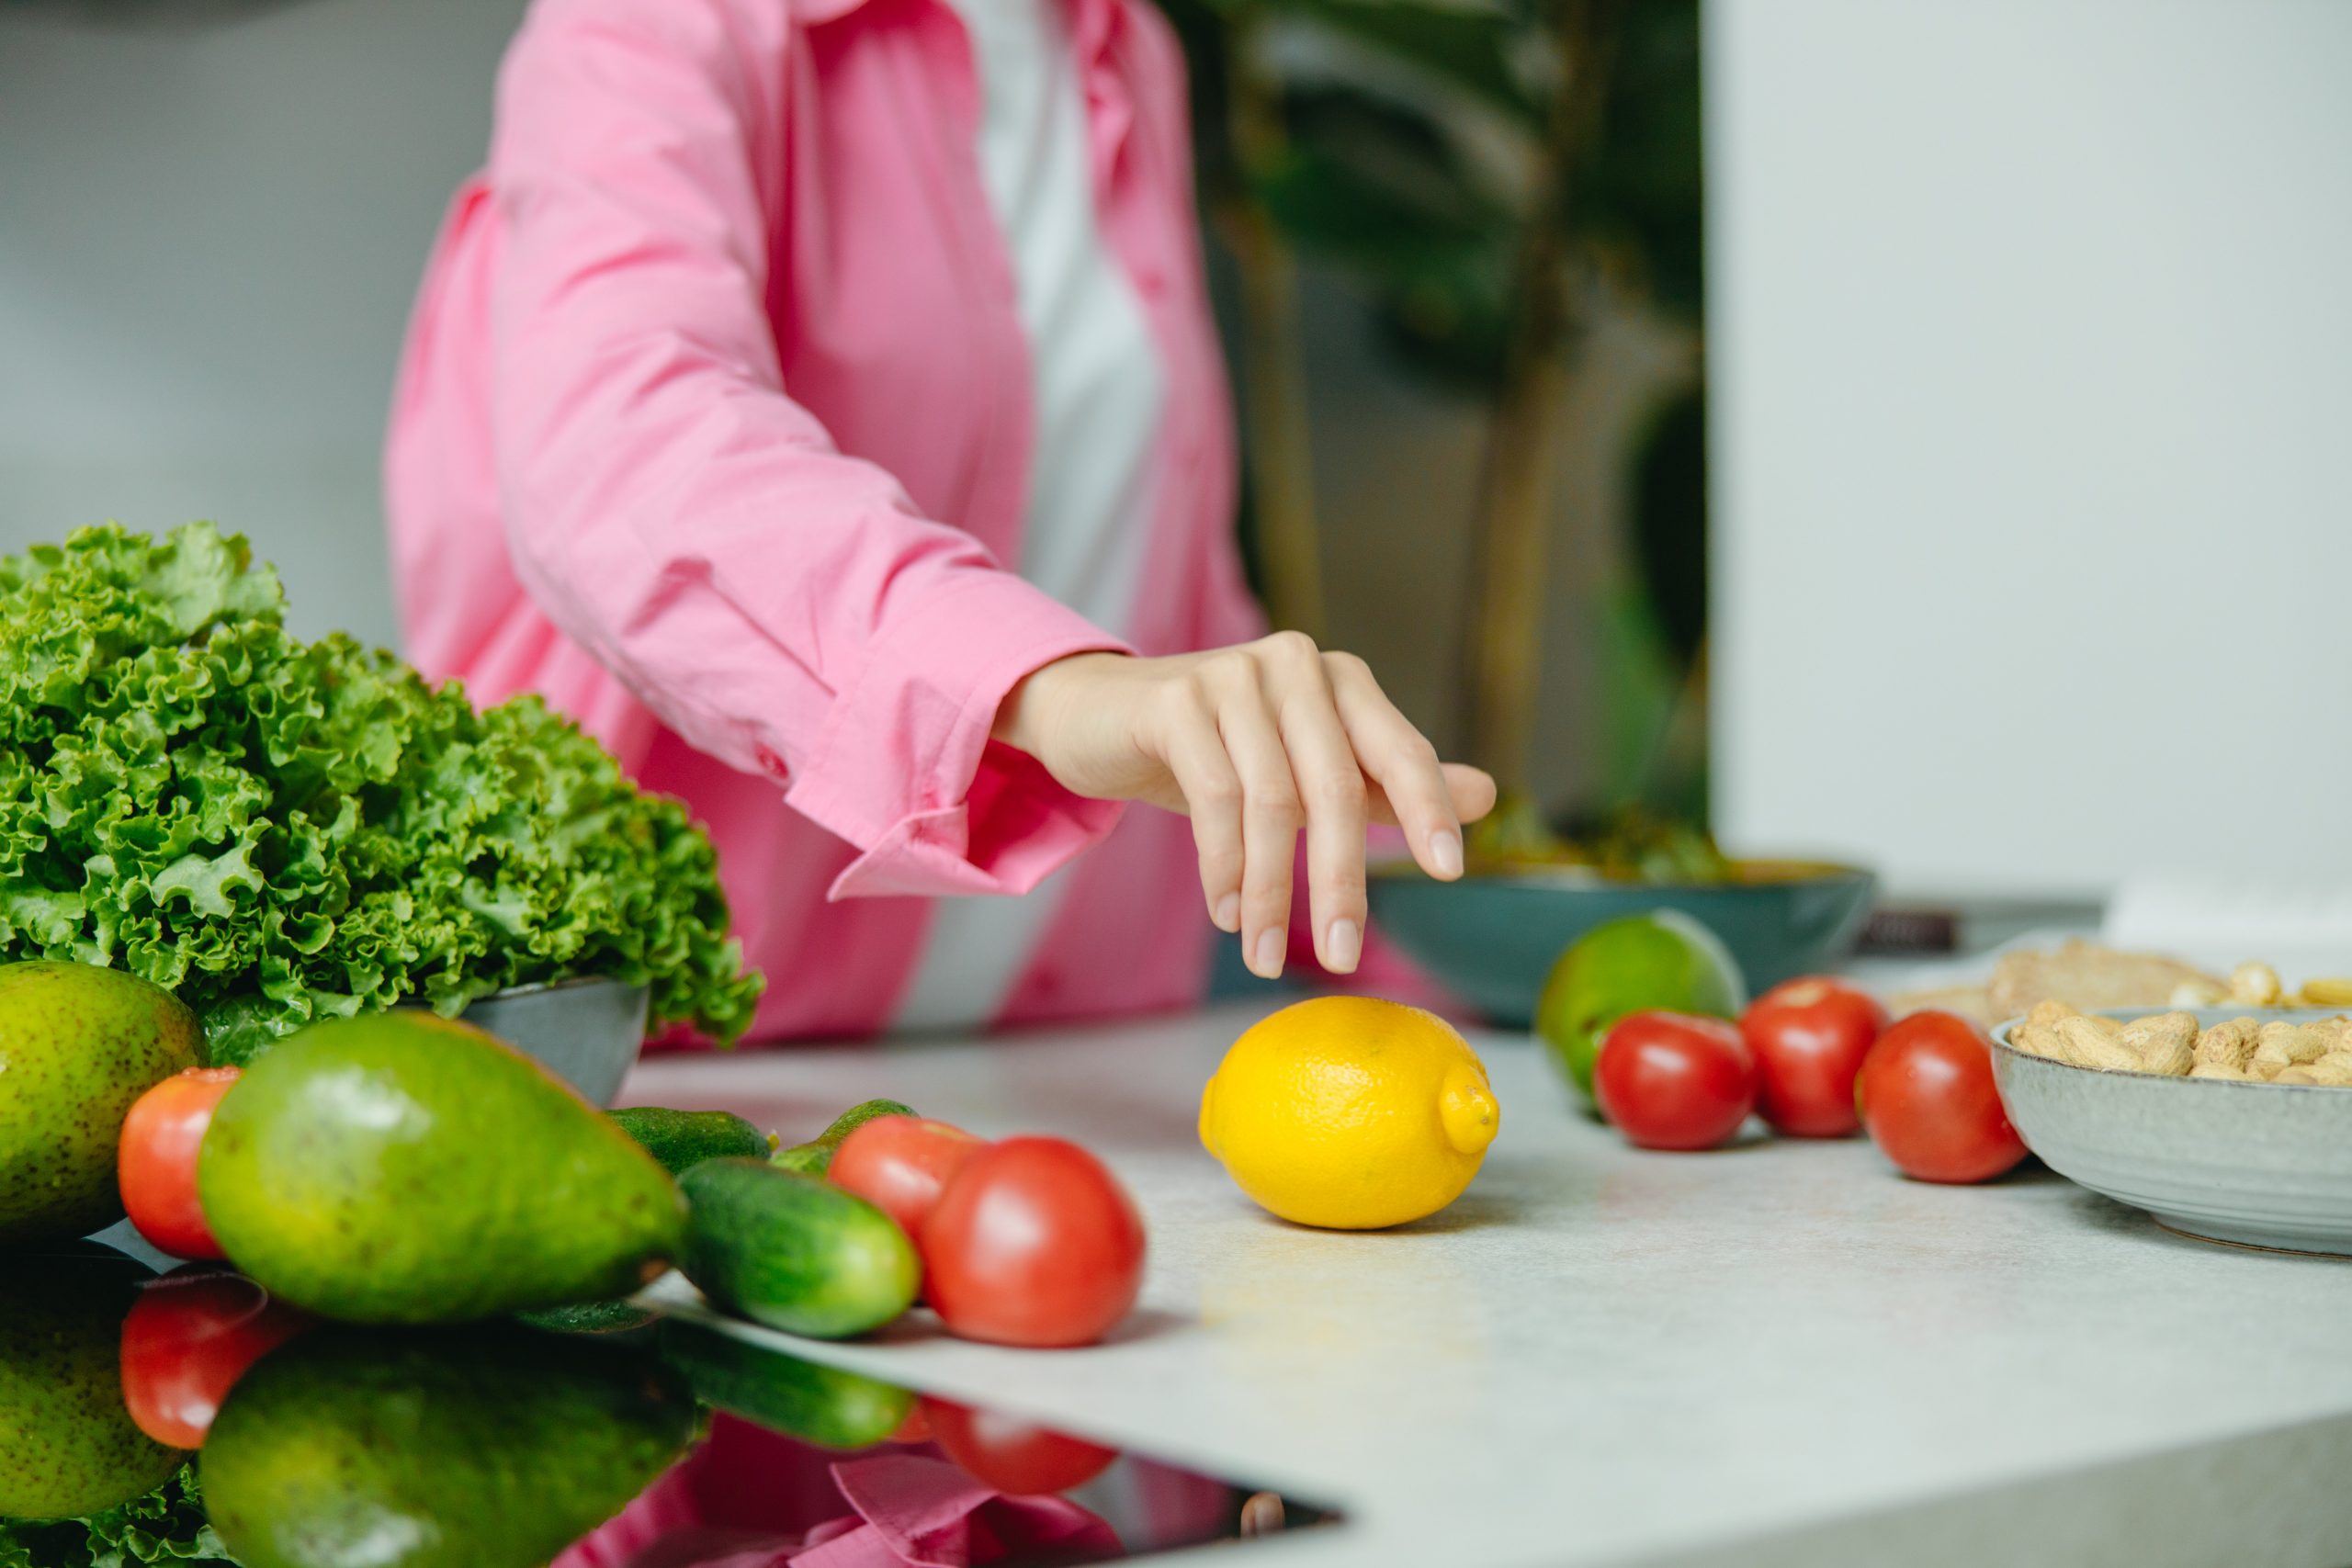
(1807, 872)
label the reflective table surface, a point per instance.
(149, 1419)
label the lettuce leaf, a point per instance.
(281, 831)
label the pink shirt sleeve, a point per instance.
(780, 605)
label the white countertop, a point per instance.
(1781, 1353)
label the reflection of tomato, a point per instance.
(1014, 1456)
(1809, 1037)
(156, 1161)
(189, 1339)
(915, 1428)
(1927, 1097)
(901, 1165)
(1034, 1242)
(1672, 1080)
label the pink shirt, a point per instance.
(714, 425)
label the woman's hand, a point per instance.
(1254, 742)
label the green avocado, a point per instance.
(680, 1140)
(401, 1168)
(78, 1044)
(69, 1447)
(794, 1252)
(825, 1405)
(814, 1158)
(485, 1448)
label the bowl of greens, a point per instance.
(280, 830)
(1492, 937)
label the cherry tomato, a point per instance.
(1927, 1097)
(901, 1165)
(1034, 1242)
(1809, 1037)
(188, 1337)
(1672, 1080)
(1014, 1456)
(156, 1161)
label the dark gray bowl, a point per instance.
(587, 1030)
(1491, 938)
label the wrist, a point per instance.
(1024, 716)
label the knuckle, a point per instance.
(1221, 792)
(1271, 800)
(1227, 669)
(1349, 665)
(1195, 693)
(1291, 648)
(1337, 792)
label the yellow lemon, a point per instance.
(1351, 1113)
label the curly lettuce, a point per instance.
(165, 1527)
(280, 830)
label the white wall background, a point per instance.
(2032, 345)
(208, 239)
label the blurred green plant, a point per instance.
(1470, 168)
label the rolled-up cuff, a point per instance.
(905, 771)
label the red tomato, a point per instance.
(156, 1161)
(1927, 1097)
(1671, 1080)
(901, 1165)
(189, 1339)
(1014, 1456)
(1034, 1242)
(1809, 1037)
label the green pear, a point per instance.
(78, 1044)
(478, 1447)
(402, 1168)
(68, 1444)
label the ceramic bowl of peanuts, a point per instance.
(2230, 1121)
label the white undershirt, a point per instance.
(1097, 386)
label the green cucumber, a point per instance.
(824, 1405)
(816, 1157)
(681, 1139)
(793, 1253)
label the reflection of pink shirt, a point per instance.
(708, 361)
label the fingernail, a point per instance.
(1445, 852)
(1227, 914)
(1344, 944)
(1268, 962)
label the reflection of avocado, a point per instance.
(825, 1405)
(404, 1169)
(486, 1447)
(78, 1044)
(69, 1445)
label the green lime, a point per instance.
(1663, 960)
